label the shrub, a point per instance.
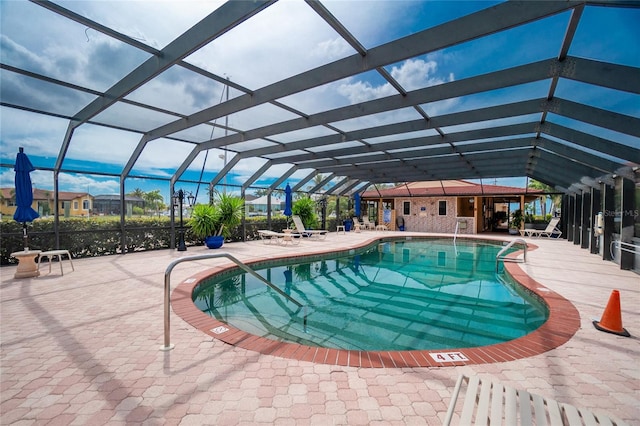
(305, 207)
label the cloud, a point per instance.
(332, 49)
(85, 183)
(412, 74)
(416, 74)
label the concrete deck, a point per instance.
(83, 349)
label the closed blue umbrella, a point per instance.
(357, 204)
(24, 193)
(288, 201)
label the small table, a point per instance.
(27, 267)
(341, 228)
(51, 254)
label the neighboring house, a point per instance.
(74, 203)
(109, 204)
(437, 206)
(259, 206)
(69, 203)
(42, 202)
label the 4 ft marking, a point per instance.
(448, 356)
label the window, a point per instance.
(442, 208)
(75, 205)
(406, 208)
(85, 205)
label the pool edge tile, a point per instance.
(562, 324)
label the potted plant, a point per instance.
(516, 222)
(230, 211)
(204, 221)
(347, 220)
(215, 222)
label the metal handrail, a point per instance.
(167, 288)
(507, 247)
(455, 233)
(623, 247)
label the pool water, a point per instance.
(418, 294)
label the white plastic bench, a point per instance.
(488, 402)
(51, 254)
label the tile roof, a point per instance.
(447, 188)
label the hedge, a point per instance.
(99, 236)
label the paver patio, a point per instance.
(83, 349)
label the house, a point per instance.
(109, 204)
(259, 206)
(42, 201)
(441, 206)
(69, 203)
(74, 203)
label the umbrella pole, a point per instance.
(24, 236)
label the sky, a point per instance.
(255, 54)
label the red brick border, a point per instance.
(562, 324)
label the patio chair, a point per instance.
(367, 224)
(357, 227)
(549, 231)
(489, 402)
(300, 229)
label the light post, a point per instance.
(178, 197)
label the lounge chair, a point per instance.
(489, 402)
(357, 226)
(368, 225)
(300, 229)
(549, 231)
(269, 237)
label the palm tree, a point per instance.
(154, 200)
(317, 179)
(555, 198)
(137, 193)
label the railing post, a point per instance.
(167, 289)
(505, 248)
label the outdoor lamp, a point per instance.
(178, 200)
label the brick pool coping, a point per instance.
(562, 324)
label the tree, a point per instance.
(154, 200)
(555, 198)
(261, 192)
(305, 207)
(137, 193)
(317, 180)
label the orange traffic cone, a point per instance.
(611, 320)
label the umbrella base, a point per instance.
(27, 267)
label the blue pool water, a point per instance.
(418, 294)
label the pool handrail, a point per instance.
(167, 288)
(500, 256)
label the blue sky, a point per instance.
(255, 54)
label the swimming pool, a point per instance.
(422, 294)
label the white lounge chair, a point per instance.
(357, 226)
(549, 231)
(300, 229)
(367, 224)
(489, 402)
